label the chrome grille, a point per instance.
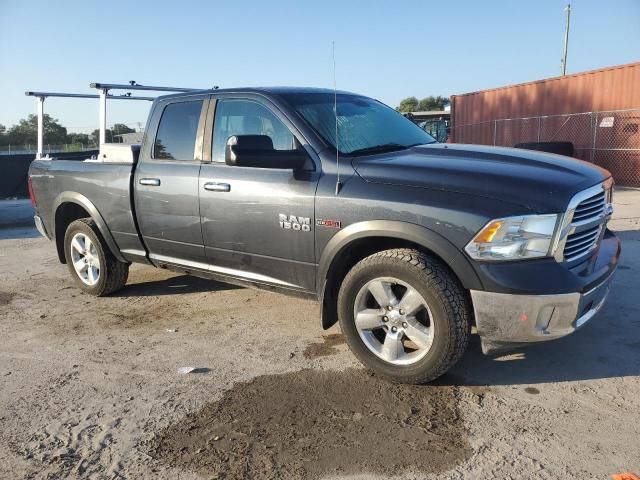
(587, 220)
(590, 209)
(580, 243)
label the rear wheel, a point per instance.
(404, 315)
(92, 265)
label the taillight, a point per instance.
(31, 195)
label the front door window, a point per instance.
(246, 117)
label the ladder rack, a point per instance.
(104, 88)
(102, 96)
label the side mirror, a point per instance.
(257, 151)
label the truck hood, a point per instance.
(540, 182)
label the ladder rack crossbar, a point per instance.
(84, 95)
(135, 86)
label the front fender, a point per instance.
(417, 234)
(411, 232)
(84, 202)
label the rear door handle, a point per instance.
(151, 182)
(217, 187)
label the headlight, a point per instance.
(514, 238)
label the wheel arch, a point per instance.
(71, 206)
(362, 239)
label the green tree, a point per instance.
(26, 131)
(95, 136)
(82, 138)
(120, 128)
(110, 133)
(409, 104)
(432, 103)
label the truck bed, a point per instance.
(104, 185)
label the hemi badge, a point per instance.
(328, 223)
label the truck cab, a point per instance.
(333, 196)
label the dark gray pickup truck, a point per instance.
(334, 196)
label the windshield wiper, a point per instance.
(385, 147)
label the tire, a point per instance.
(440, 324)
(103, 273)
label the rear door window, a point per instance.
(176, 137)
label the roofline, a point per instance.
(274, 90)
(550, 79)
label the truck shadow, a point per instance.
(587, 355)
(608, 346)
(178, 285)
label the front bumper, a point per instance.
(505, 320)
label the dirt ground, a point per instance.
(91, 388)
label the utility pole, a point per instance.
(563, 62)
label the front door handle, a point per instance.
(151, 182)
(217, 187)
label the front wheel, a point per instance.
(404, 315)
(92, 265)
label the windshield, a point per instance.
(364, 125)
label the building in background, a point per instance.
(597, 112)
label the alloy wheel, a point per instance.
(393, 320)
(85, 258)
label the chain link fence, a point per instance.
(610, 139)
(31, 148)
